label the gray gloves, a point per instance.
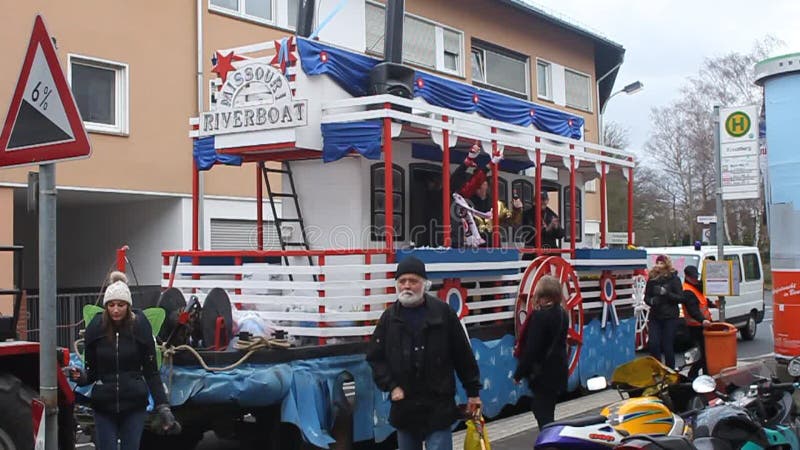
(165, 422)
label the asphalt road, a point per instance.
(762, 345)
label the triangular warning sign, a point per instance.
(43, 123)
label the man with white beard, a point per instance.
(415, 350)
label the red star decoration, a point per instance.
(420, 83)
(225, 64)
(323, 56)
(290, 47)
(569, 122)
(533, 112)
(475, 98)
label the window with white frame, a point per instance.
(578, 90)
(425, 43)
(501, 69)
(100, 89)
(281, 13)
(544, 82)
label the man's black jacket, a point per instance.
(429, 403)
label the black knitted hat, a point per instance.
(413, 265)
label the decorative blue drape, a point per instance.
(205, 155)
(351, 71)
(463, 97)
(339, 138)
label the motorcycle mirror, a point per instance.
(794, 367)
(596, 383)
(691, 356)
(704, 384)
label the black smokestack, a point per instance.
(305, 18)
(393, 40)
(391, 76)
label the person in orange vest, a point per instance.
(697, 315)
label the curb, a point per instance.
(510, 426)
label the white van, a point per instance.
(745, 310)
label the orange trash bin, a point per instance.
(720, 340)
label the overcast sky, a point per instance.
(666, 41)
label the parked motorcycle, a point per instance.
(761, 415)
(650, 387)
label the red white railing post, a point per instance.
(166, 275)
(321, 292)
(367, 291)
(446, 185)
(495, 195)
(537, 224)
(572, 206)
(603, 201)
(388, 184)
(260, 206)
(195, 207)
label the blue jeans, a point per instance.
(126, 427)
(437, 440)
(661, 339)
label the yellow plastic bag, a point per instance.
(476, 438)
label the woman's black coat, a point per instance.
(547, 328)
(664, 306)
(123, 367)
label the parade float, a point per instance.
(365, 151)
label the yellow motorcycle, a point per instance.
(649, 392)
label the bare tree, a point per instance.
(654, 212)
(615, 135)
(681, 146)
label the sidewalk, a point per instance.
(525, 423)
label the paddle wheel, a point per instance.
(573, 301)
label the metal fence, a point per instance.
(69, 316)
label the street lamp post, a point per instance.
(629, 89)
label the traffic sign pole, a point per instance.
(48, 386)
(43, 126)
(720, 211)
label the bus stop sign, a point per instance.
(43, 123)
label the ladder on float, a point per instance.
(279, 221)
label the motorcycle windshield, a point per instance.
(744, 376)
(643, 372)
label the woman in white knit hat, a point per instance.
(120, 359)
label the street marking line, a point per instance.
(757, 357)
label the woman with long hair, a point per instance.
(663, 293)
(120, 359)
(543, 360)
